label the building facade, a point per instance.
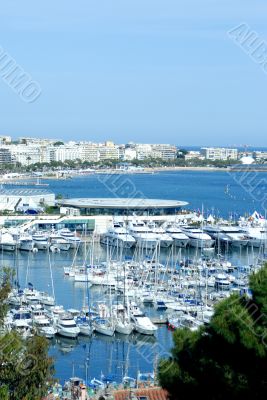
(5, 156)
(219, 153)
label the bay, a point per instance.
(220, 193)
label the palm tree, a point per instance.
(28, 160)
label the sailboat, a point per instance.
(122, 321)
(104, 323)
(85, 325)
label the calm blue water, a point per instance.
(121, 355)
(221, 193)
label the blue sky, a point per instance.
(140, 70)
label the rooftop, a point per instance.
(153, 393)
(121, 203)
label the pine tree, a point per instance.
(26, 369)
(227, 359)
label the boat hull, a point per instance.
(67, 333)
(125, 329)
(7, 247)
(104, 330)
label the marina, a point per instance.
(109, 290)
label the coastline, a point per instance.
(71, 174)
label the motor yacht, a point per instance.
(143, 235)
(140, 321)
(44, 327)
(23, 328)
(118, 236)
(180, 239)
(70, 237)
(25, 242)
(197, 237)
(164, 238)
(40, 240)
(257, 236)
(222, 282)
(66, 326)
(7, 243)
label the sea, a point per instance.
(222, 194)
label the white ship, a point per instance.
(40, 240)
(180, 239)
(7, 242)
(71, 238)
(197, 237)
(118, 236)
(143, 235)
(25, 242)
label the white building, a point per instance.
(13, 199)
(191, 155)
(219, 153)
(25, 154)
(70, 151)
(163, 151)
(129, 154)
(108, 151)
(260, 155)
(89, 152)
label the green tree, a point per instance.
(26, 369)
(227, 359)
(58, 143)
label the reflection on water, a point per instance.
(92, 357)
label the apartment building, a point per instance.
(219, 153)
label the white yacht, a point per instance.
(57, 242)
(59, 245)
(257, 236)
(31, 296)
(143, 235)
(40, 240)
(23, 313)
(98, 278)
(66, 326)
(25, 242)
(197, 237)
(104, 326)
(141, 322)
(164, 238)
(85, 326)
(229, 235)
(7, 242)
(46, 299)
(222, 282)
(44, 327)
(184, 321)
(71, 237)
(118, 236)
(122, 320)
(180, 239)
(23, 328)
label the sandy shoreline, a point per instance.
(126, 172)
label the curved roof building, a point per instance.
(124, 206)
